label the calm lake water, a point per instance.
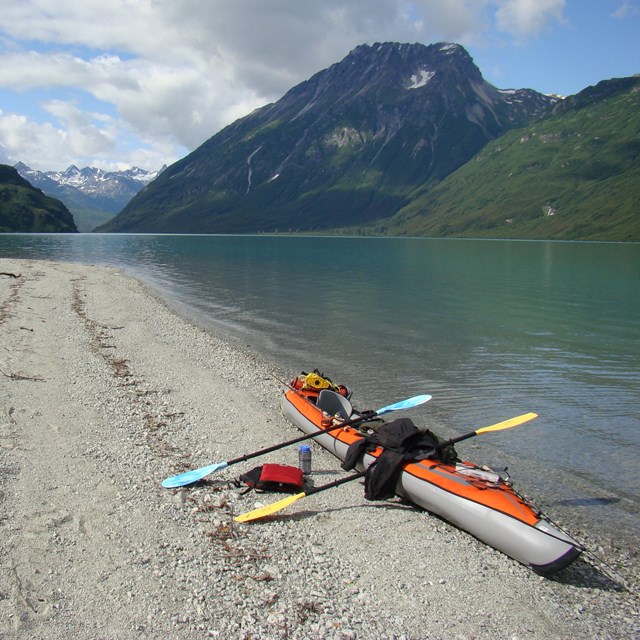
(492, 329)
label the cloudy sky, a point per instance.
(120, 83)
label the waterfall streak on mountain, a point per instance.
(250, 170)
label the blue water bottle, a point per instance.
(304, 459)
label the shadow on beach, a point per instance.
(585, 575)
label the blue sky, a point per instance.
(144, 82)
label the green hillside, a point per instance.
(574, 175)
(26, 209)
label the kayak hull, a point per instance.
(473, 500)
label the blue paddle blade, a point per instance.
(192, 476)
(405, 404)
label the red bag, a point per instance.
(274, 477)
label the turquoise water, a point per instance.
(492, 329)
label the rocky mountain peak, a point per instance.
(347, 146)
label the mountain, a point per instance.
(349, 146)
(574, 175)
(93, 195)
(26, 209)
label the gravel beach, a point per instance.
(105, 391)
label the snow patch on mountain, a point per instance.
(421, 78)
(449, 47)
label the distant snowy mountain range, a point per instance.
(92, 195)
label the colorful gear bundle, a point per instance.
(316, 381)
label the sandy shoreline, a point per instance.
(104, 392)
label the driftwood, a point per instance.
(11, 275)
(19, 376)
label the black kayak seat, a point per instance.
(334, 404)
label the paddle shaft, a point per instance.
(307, 436)
(335, 483)
(448, 443)
(194, 475)
(363, 418)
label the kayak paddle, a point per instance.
(270, 509)
(190, 477)
(506, 424)
(285, 502)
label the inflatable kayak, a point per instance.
(474, 499)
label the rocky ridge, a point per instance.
(347, 146)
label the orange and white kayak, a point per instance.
(473, 499)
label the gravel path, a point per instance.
(104, 392)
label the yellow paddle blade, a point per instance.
(507, 424)
(262, 512)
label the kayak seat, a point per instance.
(333, 403)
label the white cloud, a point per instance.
(85, 134)
(170, 73)
(18, 134)
(626, 9)
(461, 21)
(527, 18)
